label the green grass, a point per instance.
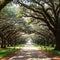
(9, 50)
(48, 49)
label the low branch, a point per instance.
(4, 4)
(42, 19)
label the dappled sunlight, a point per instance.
(29, 22)
(29, 52)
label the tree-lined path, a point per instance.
(35, 20)
(30, 52)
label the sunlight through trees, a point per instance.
(30, 16)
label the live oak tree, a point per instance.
(10, 28)
(40, 29)
(10, 33)
(47, 11)
(50, 14)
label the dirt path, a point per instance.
(30, 52)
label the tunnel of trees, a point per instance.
(43, 22)
(10, 35)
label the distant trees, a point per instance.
(42, 34)
(9, 34)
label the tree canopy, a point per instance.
(47, 11)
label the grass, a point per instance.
(48, 49)
(9, 50)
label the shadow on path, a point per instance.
(29, 52)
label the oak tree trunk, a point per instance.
(57, 40)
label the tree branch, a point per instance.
(4, 4)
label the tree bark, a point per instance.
(3, 44)
(57, 40)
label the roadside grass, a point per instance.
(48, 49)
(10, 50)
